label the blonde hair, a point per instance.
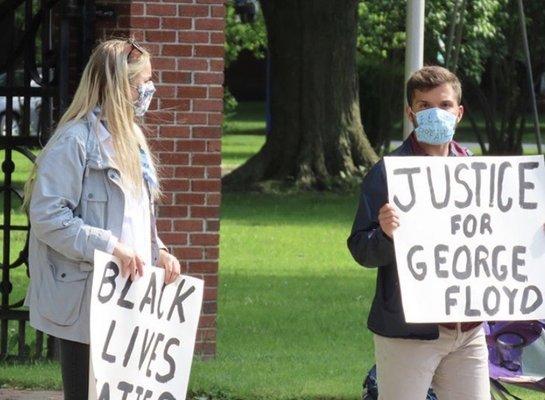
(105, 83)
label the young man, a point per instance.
(410, 358)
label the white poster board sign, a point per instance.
(471, 240)
(142, 332)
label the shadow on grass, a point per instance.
(243, 132)
(291, 336)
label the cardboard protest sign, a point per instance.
(142, 332)
(471, 240)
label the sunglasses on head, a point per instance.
(134, 46)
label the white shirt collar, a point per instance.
(102, 133)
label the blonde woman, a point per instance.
(93, 188)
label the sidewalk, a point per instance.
(11, 394)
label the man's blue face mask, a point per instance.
(435, 126)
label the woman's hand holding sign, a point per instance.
(131, 263)
(170, 264)
(388, 219)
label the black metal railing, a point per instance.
(36, 64)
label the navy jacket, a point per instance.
(370, 247)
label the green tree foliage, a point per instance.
(503, 94)
(490, 61)
(381, 43)
(241, 36)
(478, 31)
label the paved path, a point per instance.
(10, 394)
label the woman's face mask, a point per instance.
(435, 126)
(145, 94)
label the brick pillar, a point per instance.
(186, 40)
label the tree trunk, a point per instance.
(316, 132)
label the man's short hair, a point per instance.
(429, 77)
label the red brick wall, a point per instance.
(186, 40)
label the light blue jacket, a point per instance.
(77, 204)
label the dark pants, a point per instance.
(75, 369)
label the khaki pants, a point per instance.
(455, 365)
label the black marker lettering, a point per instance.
(481, 261)
(519, 262)
(524, 307)
(122, 302)
(145, 348)
(168, 358)
(178, 301)
(501, 172)
(465, 273)
(105, 356)
(434, 201)
(126, 388)
(440, 260)
(130, 348)
(478, 167)
(104, 392)
(488, 292)
(149, 296)
(485, 224)
(153, 356)
(523, 185)
(449, 301)
(467, 201)
(500, 272)
(111, 266)
(511, 294)
(470, 312)
(409, 172)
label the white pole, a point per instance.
(414, 50)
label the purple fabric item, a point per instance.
(507, 342)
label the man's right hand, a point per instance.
(388, 219)
(131, 263)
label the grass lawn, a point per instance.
(292, 302)
(244, 134)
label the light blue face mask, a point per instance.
(145, 93)
(435, 126)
